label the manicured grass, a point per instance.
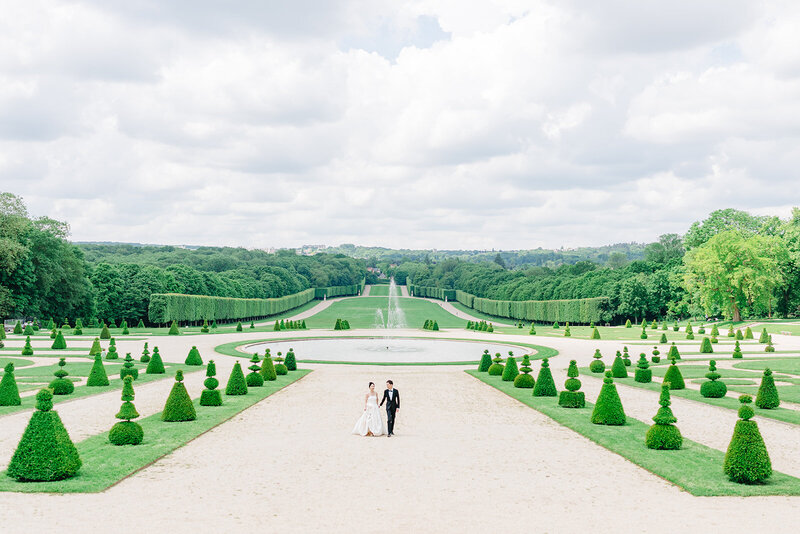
(105, 465)
(695, 468)
(778, 365)
(480, 315)
(361, 313)
(18, 363)
(699, 371)
(379, 291)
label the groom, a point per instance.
(392, 399)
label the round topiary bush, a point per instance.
(597, 365)
(179, 407)
(705, 346)
(496, 369)
(145, 354)
(27, 350)
(524, 380)
(267, 368)
(486, 362)
(193, 358)
(97, 376)
(643, 373)
(237, 385)
(61, 385)
(674, 378)
(254, 378)
(9, 392)
(747, 460)
(291, 360)
(608, 408)
(572, 398)
(737, 352)
(618, 369)
(45, 452)
(713, 389)
(510, 371)
(545, 385)
(280, 367)
(664, 435)
(112, 350)
(211, 396)
(767, 397)
(155, 366)
(126, 432)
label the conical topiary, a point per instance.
(769, 347)
(496, 369)
(280, 367)
(486, 361)
(9, 392)
(643, 335)
(764, 337)
(252, 325)
(213, 324)
(737, 352)
(664, 435)
(510, 370)
(532, 331)
(173, 329)
(597, 365)
(618, 369)
(145, 354)
(18, 328)
(626, 358)
(713, 388)
(674, 377)
(193, 358)
(105, 333)
(731, 333)
(277, 326)
(643, 373)
(45, 452)
(567, 331)
(96, 348)
(128, 368)
(27, 350)
(673, 353)
(126, 432)
(748, 333)
(747, 460)
(608, 408)
(628, 324)
(239, 326)
(254, 378)
(595, 333)
(524, 380)
(545, 385)
(689, 331)
(767, 397)
(714, 331)
(705, 346)
(739, 335)
(97, 376)
(155, 366)
(28, 330)
(267, 368)
(291, 361)
(237, 385)
(663, 338)
(178, 407)
(572, 398)
(112, 350)
(211, 396)
(140, 324)
(61, 385)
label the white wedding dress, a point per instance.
(371, 420)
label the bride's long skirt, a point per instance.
(370, 421)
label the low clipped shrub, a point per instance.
(173, 329)
(239, 326)
(27, 350)
(486, 361)
(78, 331)
(764, 337)
(654, 324)
(747, 460)
(524, 380)
(748, 333)
(254, 378)
(128, 368)
(770, 347)
(145, 354)
(280, 367)
(597, 365)
(714, 340)
(211, 396)
(510, 370)
(62, 385)
(496, 369)
(702, 329)
(628, 324)
(767, 396)
(193, 358)
(291, 360)
(618, 369)
(267, 368)
(97, 375)
(737, 352)
(567, 331)
(9, 392)
(713, 388)
(155, 366)
(18, 328)
(126, 432)
(112, 350)
(96, 348)
(608, 408)
(545, 385)
(179, 407)
(572, 398)
(595, 333)
(664, 435)
(45, 451)
(53, 333)
(643, 373)
(105, 333)
(705, 346)
(663, 338)
(237, 385)
(673, 377)
(673, 353)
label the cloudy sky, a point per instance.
(425, 123)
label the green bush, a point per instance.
(173, 329)
(53, 333)
(739, 335)
(595, 333)
(643, 373)
(486, 362)
(714, 331)
(213, 324)
(689, 331)
(96, 348)
(674, 378)
(702, 329)
(705, 346)
(280, 367)
(737, 352)
(524, 380)
(654, 324)
(764, 337)
(748, 333)
(555, 325)
(608, 408)
(111, 324)
(254, 378)
(747, 460)
(618, 369)
(267, 368)
(663, 338)
(597, 365)
(532, 331)
(155, 366)
(211, 396)
(145, 354)
(27, 350)
(628, 324)
(291, 360)
(626, 358)
(28, 330)
(239, 326)
(252, 325)
(105, 333)
(277, 327)
(126, 432)
(178, 407)
(2, 334)
(78, 331)
(714, 340)
(643, 335)
(673, 353)
(237, 385)
(112, 350)
(45, 452)
(204, 328)
(664, 435)
(767, 397)
(140, 324)
(572, 398)
(124, 327)
(193, 358)
(769, 347)
(97, 376)
(9, 392)
(567, 332)
(496, 369)
(656, 355)
(713, 388)
(128, 368)
(61, 385)
(18, 328)
(675, 327)
(731, 333)
(510, 371)
(545, 385)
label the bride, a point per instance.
(370, 423)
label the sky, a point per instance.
(450, 124)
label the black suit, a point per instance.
(392, 405)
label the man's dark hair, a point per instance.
(390, 382)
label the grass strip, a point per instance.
(696, 468)
(105, 465)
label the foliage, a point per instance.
(486, 361)
(155, 366)
(597, 365)
(673, 353)
(105, 333)
(595, 333)
(643, 373)
(128, 368)
(510, 370)
(254, 378)
(664, 435)
(96, 348)
(673, 377)
(97, 375)
(268, 368)
(496, 369)
(737, 352)
(27, 350)
(608, 408)
(193, 358)
(545, 385)
(767, 397)
(524, 380)
(747, 460)
(179, 407)
(173, 329)
(237, 385)
(571, 397)
(112, 350)
(62, 385)
(60, 343)
(705, 346)
(9, 392)
(713, 388)
(173, 306)
(211, 396)
(126, 432)
(291, 360)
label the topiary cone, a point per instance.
(767, 397)
(545, 385)
(126, 432)
(96, 348)
(618, 369)
(291, 361)
(608, 408)
(747, 460)
(27, 350)
(45, 452)
(155, 366)
(510, 370)
(237, 385)
(267, 368)
(178, 407)
(486, 361)
(674, 377)
(643, 373)
(664, 435)
(211, 396)
(173, 329)
(705, 346)
(9, 392)
(193, 358)
(97, 376)
(128, 368)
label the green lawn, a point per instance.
(379, 290)
(104, 464)
(361, 313)
(695, 468)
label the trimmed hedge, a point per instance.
(767, 397)
(545, 385)
(9, 392)
(237, 385)
(179, 407)
(332, 291)
(664, 435)
(97, 376)
(747, 460)
(572, 398)
(432, 292)
(126, 432)
(510, 370)
(575, 311)
(608, 408)
(211, 396)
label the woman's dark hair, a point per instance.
(371, 384)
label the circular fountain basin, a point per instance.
(385, 350)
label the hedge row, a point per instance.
(168, 307)
(339, 291)
(432, 292)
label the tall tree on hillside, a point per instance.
(729, 219)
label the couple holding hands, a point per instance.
(371, 423)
